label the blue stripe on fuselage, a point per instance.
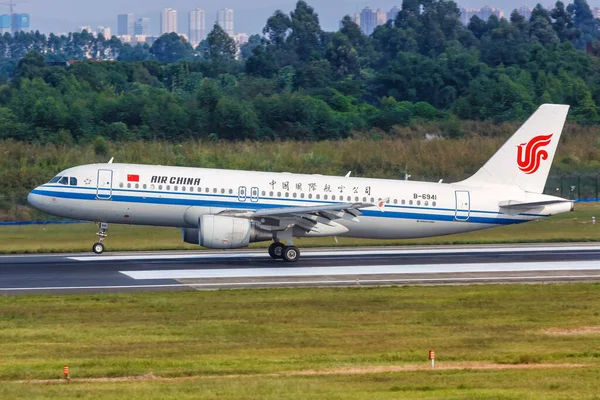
(256, 206)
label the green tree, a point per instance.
(171, 47)
(221, 48)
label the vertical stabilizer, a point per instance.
(525, 159)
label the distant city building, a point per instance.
(240, 40)
(483, 13)
(141, 26)
(525, 12)
(168, 21)
(197, 26)
(381, 17)
(596, 12)
(85, 28)
(225, 20)
(125, 38)
(125, 24)
(368, 20)
(19, 22)
(5, 23)
(393, 13)
(105, 31)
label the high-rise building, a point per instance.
(197, 26)
(368, 20)
(86, 28)
(5, 23)
(105, 31)
(526, 12)
(125, 24)
(168, 21)
(483, 13)
(225, 20)
(19, 22)
(141, 26)
(393, 13)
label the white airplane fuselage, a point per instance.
(178, 196)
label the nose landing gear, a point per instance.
(98, 247)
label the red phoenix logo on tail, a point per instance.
(530, 156)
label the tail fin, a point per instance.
(525, 159)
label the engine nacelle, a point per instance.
(190, 235)
(222, 232)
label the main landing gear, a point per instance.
(98, 247)
(288, 253)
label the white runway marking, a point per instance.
(325, 282)
(361, 270)
(342, 252)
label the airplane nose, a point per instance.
(35, 200)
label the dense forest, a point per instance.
(297, 82)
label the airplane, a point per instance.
(226, 209)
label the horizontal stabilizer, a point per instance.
(516, 204)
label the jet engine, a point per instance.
(222, 232)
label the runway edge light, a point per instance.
(66, 372)
(432, 358)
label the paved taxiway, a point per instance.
(317, 267)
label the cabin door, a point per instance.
(104, 185)
(463, 205)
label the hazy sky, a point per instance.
(250, 16)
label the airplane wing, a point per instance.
(307, 218)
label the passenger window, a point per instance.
(271, 194)
(433, 204)
(121, 184)
(295, 195)
(318, 196)
(64, 181)
(191, 188)
(231, 191)
(310, 195)
(356, 198)
(263, 193)
(426, 203)
(183, 188)
(214, 190)
(222, 191)
(333, 197)
(287, 194)
(349, 198)
(145, 186)
(395, 201)
(403, 201)
(73, 181)
(324, 197)
(168, 187)
(129, 185)
(159, 187)
(301, 195)
(137, 185)
(410, 202)
(278, 194)
(364, 199)
(152, 187)
(372, 200)
(207, 190)
(418, 202)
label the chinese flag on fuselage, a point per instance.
(133, 178)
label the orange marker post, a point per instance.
(432, 358)
(66, 372)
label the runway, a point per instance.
(197, 270)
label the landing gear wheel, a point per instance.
(276, 250)
(291, 254)
(98, 248)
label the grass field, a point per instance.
(491, 342)
(574, 227)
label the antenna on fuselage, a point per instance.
(111, 160)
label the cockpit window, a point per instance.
(55, 179)
(73, 181)
(63, 181)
